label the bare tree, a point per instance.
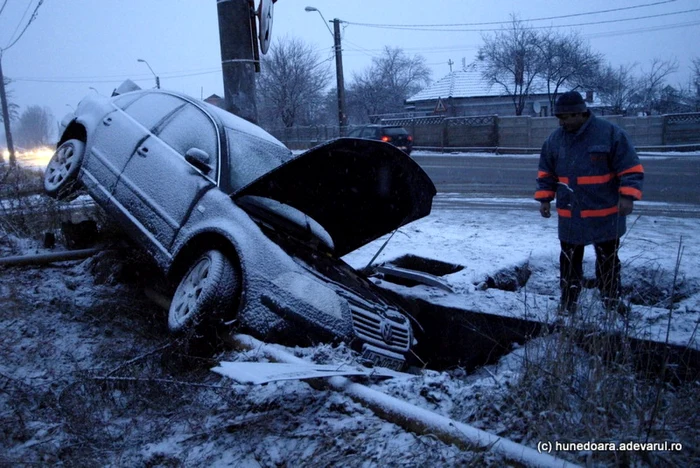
(652, 83)
(566, 59)
(365, 97)
(512, 59)
(695, 83)
(383, 87)
(11, 106)
(3, 95)
(292, 82)
(672, 101)
(35, 127)
(616, 87)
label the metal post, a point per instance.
(342, 118)
(6, 119)
(238, 57)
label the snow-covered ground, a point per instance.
(485, 242)
(89, 377)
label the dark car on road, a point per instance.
(251, 234)
(393, 134)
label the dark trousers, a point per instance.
(607, 271)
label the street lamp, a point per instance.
(154, 73)
(310, 8)
(338, 68)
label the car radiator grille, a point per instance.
(386, 332)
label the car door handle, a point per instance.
(142, 151)
(107, 121)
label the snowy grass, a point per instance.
(23, 213)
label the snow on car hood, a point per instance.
(358, 190)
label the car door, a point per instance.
(116, 137)
(160, 184)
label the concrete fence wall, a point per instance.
(521, 132)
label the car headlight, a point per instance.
(305, 289)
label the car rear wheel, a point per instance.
(205, 298)
(61, 176)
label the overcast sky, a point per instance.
(77, 44)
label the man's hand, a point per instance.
(625, 206)
(545, 209)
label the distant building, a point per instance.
(466, 93)
(216, 100)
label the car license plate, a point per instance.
(380, 360)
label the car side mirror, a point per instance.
(199, 159)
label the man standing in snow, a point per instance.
(589, 165)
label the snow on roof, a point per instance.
(469, 82)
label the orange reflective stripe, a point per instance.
(598, 213)
(544, 194)
(634, 169)
(564, 180)
(542, 174)
(632, 192)
(564, 213)
(599, 179)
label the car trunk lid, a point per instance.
(358, 190)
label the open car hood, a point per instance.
(358, 190)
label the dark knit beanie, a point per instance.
(570, 103)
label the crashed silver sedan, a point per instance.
(251, 234)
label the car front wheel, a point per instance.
(61, 176)
(205, 298)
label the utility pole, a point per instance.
(238, 57)
(3, 93)
(342, 118)
(6, 119)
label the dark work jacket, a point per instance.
(587, 172)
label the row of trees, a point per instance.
(523, 60)
(32, 128)
(293, 86)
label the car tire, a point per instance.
(205, 298)
(61, 175)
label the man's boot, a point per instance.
(569, 299)
(616, 304)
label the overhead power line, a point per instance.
(26, 26)
(642, 30)
(113, 78)
(491, 23)
(408, 28)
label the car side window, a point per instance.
(152, 108)
(355, 133)
(369, 132)
(191, 128)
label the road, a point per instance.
(671, 181)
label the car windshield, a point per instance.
(395, 131)
(251, 157)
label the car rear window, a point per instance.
(395, 131)
(251, 157)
